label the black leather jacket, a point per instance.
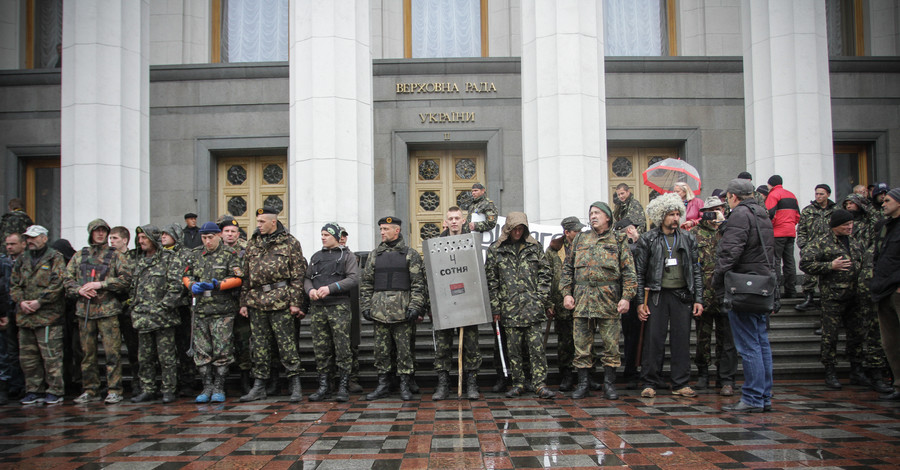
(650, 257)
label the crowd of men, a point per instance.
(193, 303)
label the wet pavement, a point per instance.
(810, 426)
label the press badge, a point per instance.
(671, 262)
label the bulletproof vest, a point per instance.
(100, 270)
(391, 272)
(327, 268)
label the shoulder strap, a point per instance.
(762, 244)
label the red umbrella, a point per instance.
(663, 175)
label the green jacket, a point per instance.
(117, 282)
(485, 207)
(630, 209)
(707, 235)
(390, 306)
(220, 264)
(816, 260)
(183, 256)
(599, 272)
(556, 256)
(42, 280)
(273, 259)
(156, 291)
(813, 222)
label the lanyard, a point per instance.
(674, 242)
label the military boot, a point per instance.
(272, 385)
(342, 394)
(413, 386)
(567, 381)
(383, 389)
(858, 375)
(583, 388)
(702, 378)
(831, 380)
(257, 392)
(206, 376)
(500, 385)
(595, 385)
(246, 381)
(472, 386)
(324, 390)
(353, 386)
(876, 380)
(443, 386)
(609, 383)
(808, 303)
(296, 392)
(405, 392)
(218, 395)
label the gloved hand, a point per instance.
(411, 315)
(197, 288)
(367, 314)
(215, 284)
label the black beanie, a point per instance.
(745, 176)
(825, 187)
(775, 180)
(840, 217)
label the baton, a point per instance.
(640, 347)
(190, 351)
(87, 308)
(459, 386)
(500, 344)
(546, 333)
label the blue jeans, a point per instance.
(752, 342)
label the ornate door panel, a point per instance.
(627, 164)
(440, 179)
(248, 183)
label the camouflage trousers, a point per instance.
(714, 321)
(565, 342)
(130, 339)
(41, 356)
(241, 342)
(394, 338)
(443, 349)
(187, 371)
(518, 341)
(834, 315)
(108, 329)
(609, 330)
(212, 340)
(330, 327)
(810, 283)
(873, 349)
(158, 347)
(266, 328)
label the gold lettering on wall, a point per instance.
(447, 118)
(446, 87)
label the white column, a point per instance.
(105, 115)
(787, 95)
(563, 108)
(10, 28)
(330, 156)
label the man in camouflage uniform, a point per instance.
(155, 291)
(392, 295)
(119, 237)
(562, 317)
(96, 276)
(213, 276)
(713, 320)
(171, 238)
(877, 201)
(598, 283)
(36, 287)
(627, 207)
(482, 216)
(519, 278)
(443, 339)
(332, 275)
(813, 224)
(272, 296)
(355, 333)
(16, 220)
(231, 237)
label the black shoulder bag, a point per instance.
(751, 293)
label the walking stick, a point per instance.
(459, 386)
(500, 345)
(640, 347)
(87, 307)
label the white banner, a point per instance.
(542, 233)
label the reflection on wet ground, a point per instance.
(810, 427)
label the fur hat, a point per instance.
(662, 205)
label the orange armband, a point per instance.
(230, 283)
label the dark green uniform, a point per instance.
(241, 338)
(336, 268)
(562, 318)
(519, 278)
(630, 209)
(16, 221)
(39, 276)
(813, 224)
(274, 267)
(187, 371)
(486, 208)
(214, 310)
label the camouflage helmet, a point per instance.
(94, 225)
(151, 231)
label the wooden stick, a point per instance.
(640, 347)
(459, 385)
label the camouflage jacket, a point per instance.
(816, 260)
(116, 283)
(390, 306)
(707, 235)
(813, 222)
(183, 256)
(760, 199)
(155, 291)
(630, 209)
(556, 257)
(485, 207)
(220, 264)
(598, 273)
(240, 246)
(14, 222)
(42, 280)
(519, 278)
(270, 260)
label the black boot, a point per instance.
(257, 392)
(382, 390)
(443, 386)
(342, 394)
(807, 304)
(581, 390)
(353, 386)
(324, 390)
(413, 386)
(405, 392)
(472, 386)
(246, 381)
(499, 385)
(272, 385)
(296, 391)
(858, 375)
(831, 380)
(595, 385)
(567, 381)
(876, 381)
(702, 378)
(609, 383)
